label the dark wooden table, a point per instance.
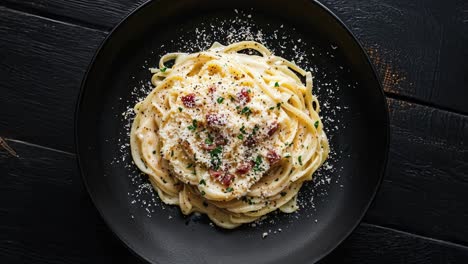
(420, 49)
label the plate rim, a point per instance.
(83, 174)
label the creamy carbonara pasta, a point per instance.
(229, 134)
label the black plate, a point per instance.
(353, 107)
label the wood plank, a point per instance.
(373, 244)
(46, 215)
(42, 64)
(100, 14)
(48, 218)
(418, 48)
(424, 190)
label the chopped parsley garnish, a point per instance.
(215, 158)
(202, 192)
(232, 98)
(276, 84)
(287, 156)
(242, 130)
(249, 91)
(220, 100)
(209, 140)
(246, 111)
(180, 109)
(258, 163)
(229, 189)
(163, 69)
(193, 126)
(190, 166)
(271, 108)
(316, 124)
(216, 151)
(300, 160)
(278, 105)
(202, 182)
(283, 193)
(240, 136)
(255, 129)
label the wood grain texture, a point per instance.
(417, 47)
(100, 14)
(424, 190)
(46, 215)
(373, 244)
(42, 63)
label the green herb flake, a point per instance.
(163, 69)
(190, 166)
(202, 182)
(203, 193)
(240, 136)
(193, 126)
(287, 156)
(180, 109)
(215, 159)
(276, 84)
(246, 111)
(278, 105)
(258, 163)
(209, 140)
(229, 189)
(300, 160)
(271, 108)
(220, 100)
(255, 129)
(316, 124)
(242, 130)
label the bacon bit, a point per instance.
(208, 147)
(212, 89)
(273, 128)
(244, 168)
(250, 141)
(272, 157)
(223, 177)
(243, 96)
(220, 140)
(226, 179)
(215, 120)
(215, 174)
(189, 100)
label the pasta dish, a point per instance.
(232, 132)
